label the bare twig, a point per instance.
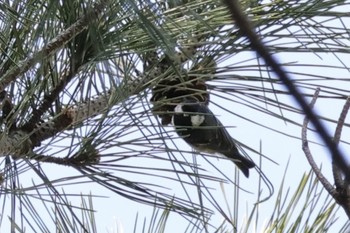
(341, 121)
(337, 175)
(340, 193)
(305, 146)
(342, 185)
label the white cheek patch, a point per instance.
(197, 120)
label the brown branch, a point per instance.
(337, 174)
(341, 184)
(83, 158)
(50, 128)
(47, 102)
(341, 121)
(305, 146)
(340, 194)
(6, 104)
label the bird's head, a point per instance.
(189, 112)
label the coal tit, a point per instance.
(199, 127)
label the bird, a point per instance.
(199, 127)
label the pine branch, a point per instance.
(22, 141)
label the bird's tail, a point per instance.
(243, 164)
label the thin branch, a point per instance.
(82, 158)
(341, 121)
(340, 194)
(338, 180)
(305, 146)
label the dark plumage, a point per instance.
(200, 128)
